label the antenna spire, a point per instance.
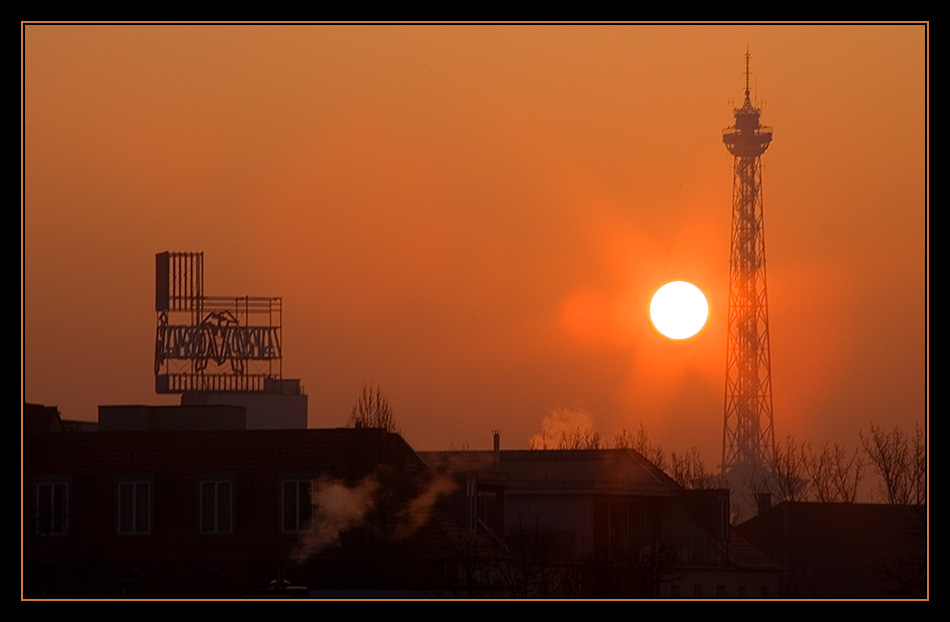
(747, 57)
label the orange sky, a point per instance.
(472, 216)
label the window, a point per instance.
(296, 507)
(484, 506)
(52, 508)
(215, 505)
(135, 507)
(471, 504)
(623, 526)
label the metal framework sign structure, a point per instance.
(211, 343)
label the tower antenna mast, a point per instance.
(748, 440)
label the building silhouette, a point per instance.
(599, 523)
(844, 550)
(184, 502)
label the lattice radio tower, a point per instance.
(747, 440)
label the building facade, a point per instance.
(156, 512)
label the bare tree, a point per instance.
(901, 462)
(847, 474)
(623, 439)
(820, 470)
(635, 572)
(475, 567)
(579, 439)
(642, 443)
(372, 410)
(689, 471)
(788, 474)
(526, 564)
(834, 475)
(918, 456)
(655, 565)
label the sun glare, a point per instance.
(678, 310)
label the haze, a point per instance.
(472, 217)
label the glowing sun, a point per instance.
(679, 310)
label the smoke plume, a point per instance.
(336, 508)
(563, 426)
(417, 512)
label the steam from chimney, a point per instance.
(417, 512)
(337, 507)
(562, 423)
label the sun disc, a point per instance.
(679, 310)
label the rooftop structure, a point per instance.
(221, 350)
(211, 343)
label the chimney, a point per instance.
(496, 437)
(764, 502)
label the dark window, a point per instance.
(135, 507)
(296, 506)
(216, 506)
(52, 508)
(620, 526)
(601, 526)
(471, 505)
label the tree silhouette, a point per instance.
(834, 476)
(901, 461)
(372, 410)
(689, 471)
(579, 439)
(788, 472)
(642, 444)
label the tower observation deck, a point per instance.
(748, 440)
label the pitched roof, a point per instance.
(591, 469)
(347, 450)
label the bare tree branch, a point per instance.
(372, 410)
(788, 471)
(579, 439)
(642, 443)
(919, 466)
(846, 474)
(689, 471)
(900, 461)
(819, 466)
